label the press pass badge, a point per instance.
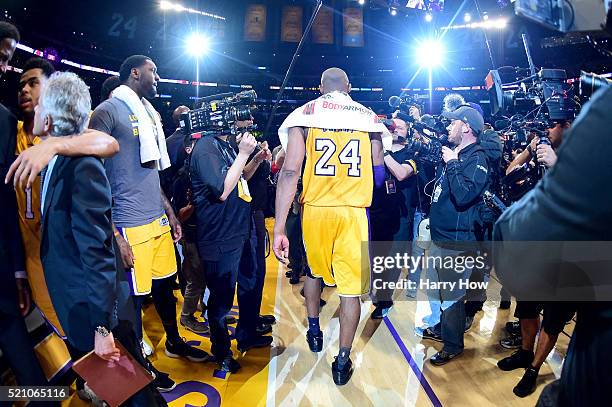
(390, 185)
(163, 221)
(437, 193)
(243, 190)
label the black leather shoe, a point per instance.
(267, 319)
(341, 377)
(443, 357)
(527, 384)
(257, 342)
(521, 359)
(263, 329)
(294, 280)
(228, 364)
(315, 342)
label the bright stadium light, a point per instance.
(467, 17)
(179, 8)
(430, 53)
(197, 45)
(362, 2)
(428, 17)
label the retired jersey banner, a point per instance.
(353, 27)
(291, 25)
(323, 27)
(255, 23)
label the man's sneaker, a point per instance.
(443, 357)
(228, 364)
(192, 324)
(504, 304)
(267, 319)
(527, 384)
(520, 359)
(163, 382)
(513, 327)
(263, 329)
(429, 333)
(512, 342)
(315, 342)
(257, 342)
(181, 349)
(342, 376)
(468, 323)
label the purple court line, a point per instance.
(415, 368)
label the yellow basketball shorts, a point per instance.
(153, 250)
(336, 240)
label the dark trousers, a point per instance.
(125, 333)
(165, 305)
(260, 252)
(391, 236)
(18, 350)
(223, 270)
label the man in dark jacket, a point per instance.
(91, 299)
(460, 182)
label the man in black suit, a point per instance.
(15, 343)
(91, 298)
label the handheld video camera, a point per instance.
(218, 113)
(549, 95)
(403, 103)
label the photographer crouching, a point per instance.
(460, 183)
(226, 239)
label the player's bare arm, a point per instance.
(286, 188)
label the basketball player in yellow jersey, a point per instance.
(341, 167)
(34, 153)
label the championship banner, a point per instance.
(323, 27)
(291, 24)
(353, 27)
(255, 23)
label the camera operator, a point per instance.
(226, 241)
(541, 151)
(391, 213)
(555, 314)
(563, 207)
(460, 183)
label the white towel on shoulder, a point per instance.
(150, 130)
(334, 111)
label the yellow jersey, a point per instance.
(28, 202)
(338, 169)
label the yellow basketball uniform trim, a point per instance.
(28, 203)
(338, 169)
(53, 356)
(333, 238)
(153, 250)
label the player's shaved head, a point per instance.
(334, 79)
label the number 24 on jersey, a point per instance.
(349, 155)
